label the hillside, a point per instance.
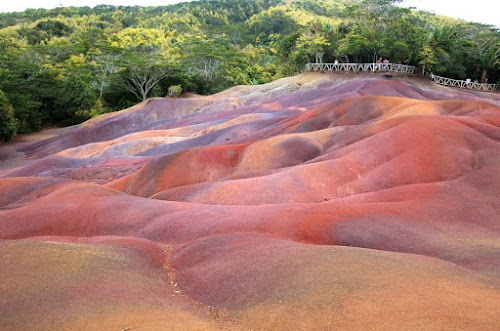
(317, 201)
(63, 66)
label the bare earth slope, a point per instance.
(315, 202)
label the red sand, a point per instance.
(314, 202)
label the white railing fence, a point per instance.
(394, 67)
(463, 83)
(360, 67)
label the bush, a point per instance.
(174, 91)
(76, 94)
(96, 110)
(8, 123)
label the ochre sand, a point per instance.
(316, 202)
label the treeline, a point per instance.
(63, 66)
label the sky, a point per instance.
(483, 11)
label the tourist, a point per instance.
(385, 63)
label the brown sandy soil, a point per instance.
(316, 202)
(10, 155)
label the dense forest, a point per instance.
(65, 65)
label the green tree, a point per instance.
(141, 73)
(77, 97)
(8, 123)
(485, 49)
(272, 21)
(104, 64)
(211, 63)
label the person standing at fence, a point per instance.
(379, 63)
(385, 64)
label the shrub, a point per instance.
(96, 110)
(8, 123)
(174, 91)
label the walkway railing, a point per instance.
(360, 67)
(378, 67)
(463, 83)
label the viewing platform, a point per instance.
(463, 83)
(360, 67)
(394, 67)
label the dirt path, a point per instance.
(11, 159)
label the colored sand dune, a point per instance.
(314, 202)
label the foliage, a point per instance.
(65, 65)
(8, 123)
(174, 91)
(77, 96)
(141, 73)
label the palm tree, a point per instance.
(438, 44)
(485, 49)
